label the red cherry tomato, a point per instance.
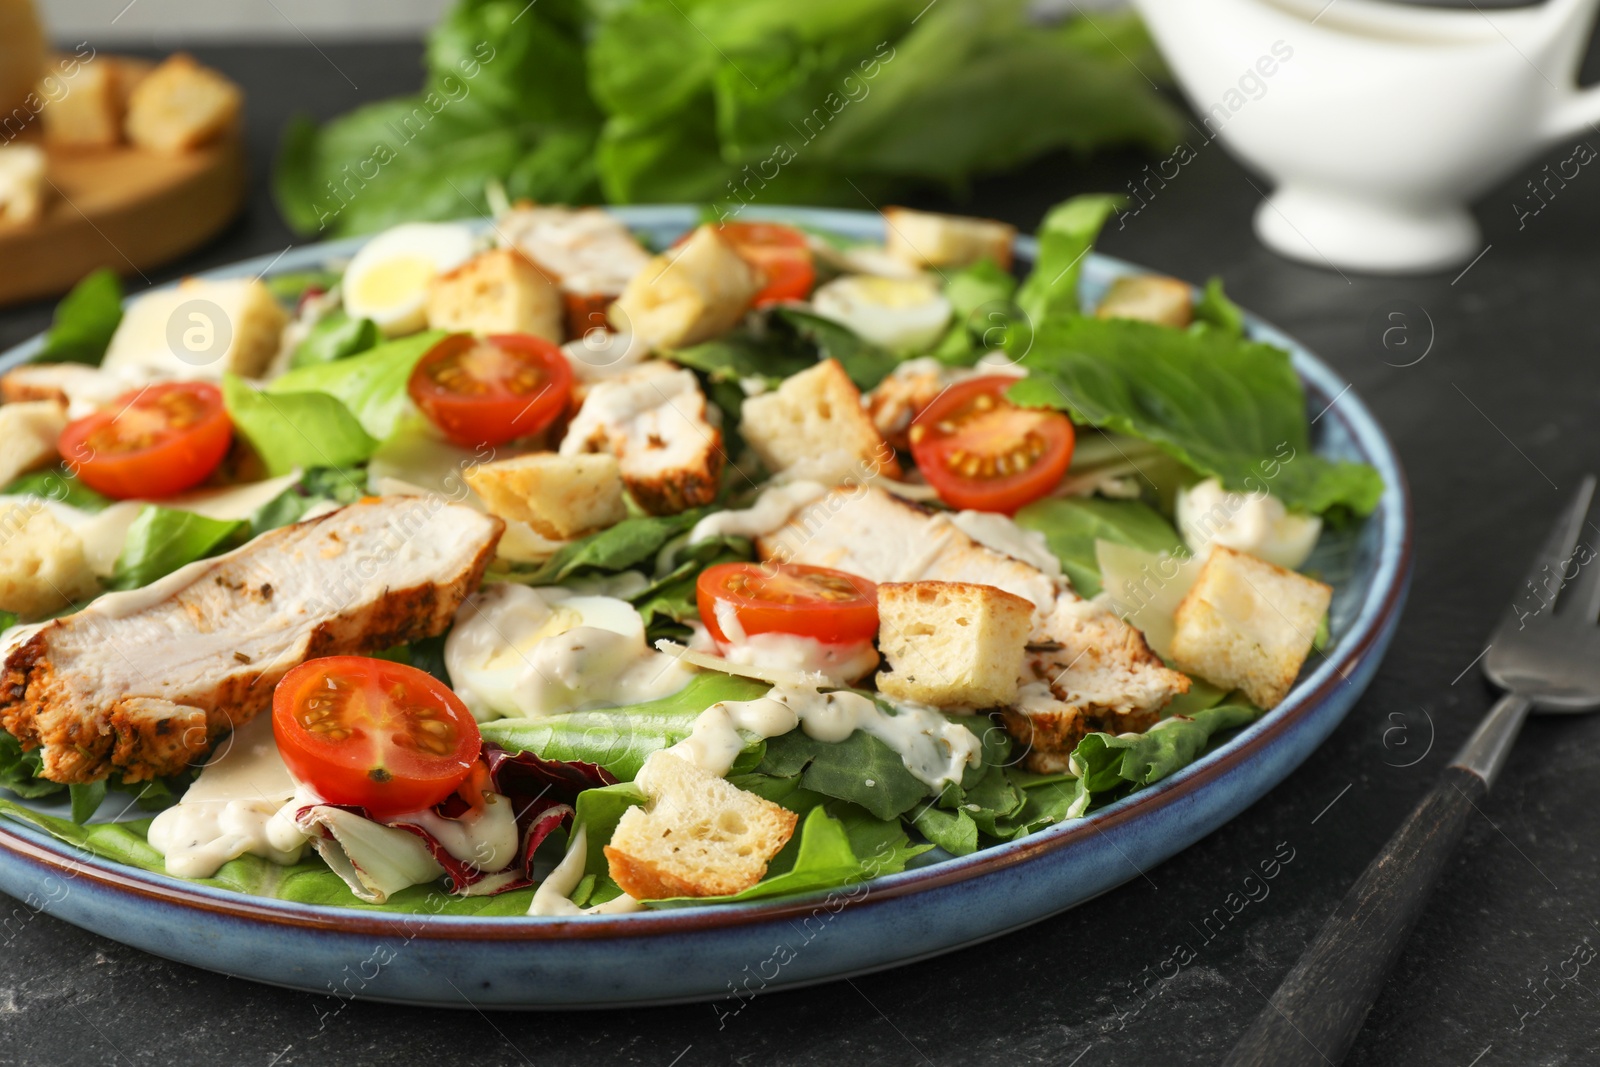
(374, 734)
(489, 390)
(152, 442)
(831, 606)
(780, 252)
(980, 451)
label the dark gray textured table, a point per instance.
(1494, 426)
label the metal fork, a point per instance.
(1546, 655)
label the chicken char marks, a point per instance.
(140, 683)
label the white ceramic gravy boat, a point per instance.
(1379, 122)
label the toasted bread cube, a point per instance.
(42, 564)
(813, 426)
(952, 644)
(82, 106)
(200, 329)
(499, 291)
(687, 294)
(699, 836)
(22, 183)
(1149, 298)
(561, 497)
(1248, 624)
(28, 435)
(925, 239)
(182, 106)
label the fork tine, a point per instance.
(1545, 577)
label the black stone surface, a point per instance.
(1495, 425)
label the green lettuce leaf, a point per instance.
(335, 336)
(60, 485)
(20, 771)
(863, 361)
(983, 285)
(617, 548)
(672, 598)
(291, 431)
(843, 769)
(319, 485)
(621, 739)
(161, 540)
(290, 287)
(1066, 236)
(84, 321)
(1217, 312)
(1223, 406)
(1072, 525)
(371, 386)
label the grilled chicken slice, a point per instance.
(141, 682)
(81, 388)
(1086, 670)
(589, 250)
(654, 421)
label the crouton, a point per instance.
(1248, 624)
(42, 564)
(1149, 298)
(925, 239)
(653, 419)
(22, 183)
(952, 644)
(813, 426)
(200, 329)
(699, 836)
(82, 105)
(28, 434)
(22, 58)
(687, 294)
(561, 497)
(182, 106)
(498, 291)
(131, 73)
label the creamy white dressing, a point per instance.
(517, 651)
(486, 839)
(552, 896)
(771, 511)
(227, 811)
(839, 664)
(933, 748)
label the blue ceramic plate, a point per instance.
(703, 953)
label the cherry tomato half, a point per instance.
(489, 390)
(828, 605)
(782, 253)
(152, 442)
(980, 451)
(375, 734)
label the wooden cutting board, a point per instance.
(123, 208)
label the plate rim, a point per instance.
(1375, 617)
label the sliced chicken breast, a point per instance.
(139, 683)
(654, 420)
(1086, 668)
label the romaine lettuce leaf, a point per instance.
(1215, 311)
(319, 485)
(296, 431)
(60, 485)
(843, 770)
(160, 540)
(616, 548)
(1072, 525)
(1221, 405)
(335, 336)
(1065, 237)
(84, 321)
(372, 385)
(620, 739)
